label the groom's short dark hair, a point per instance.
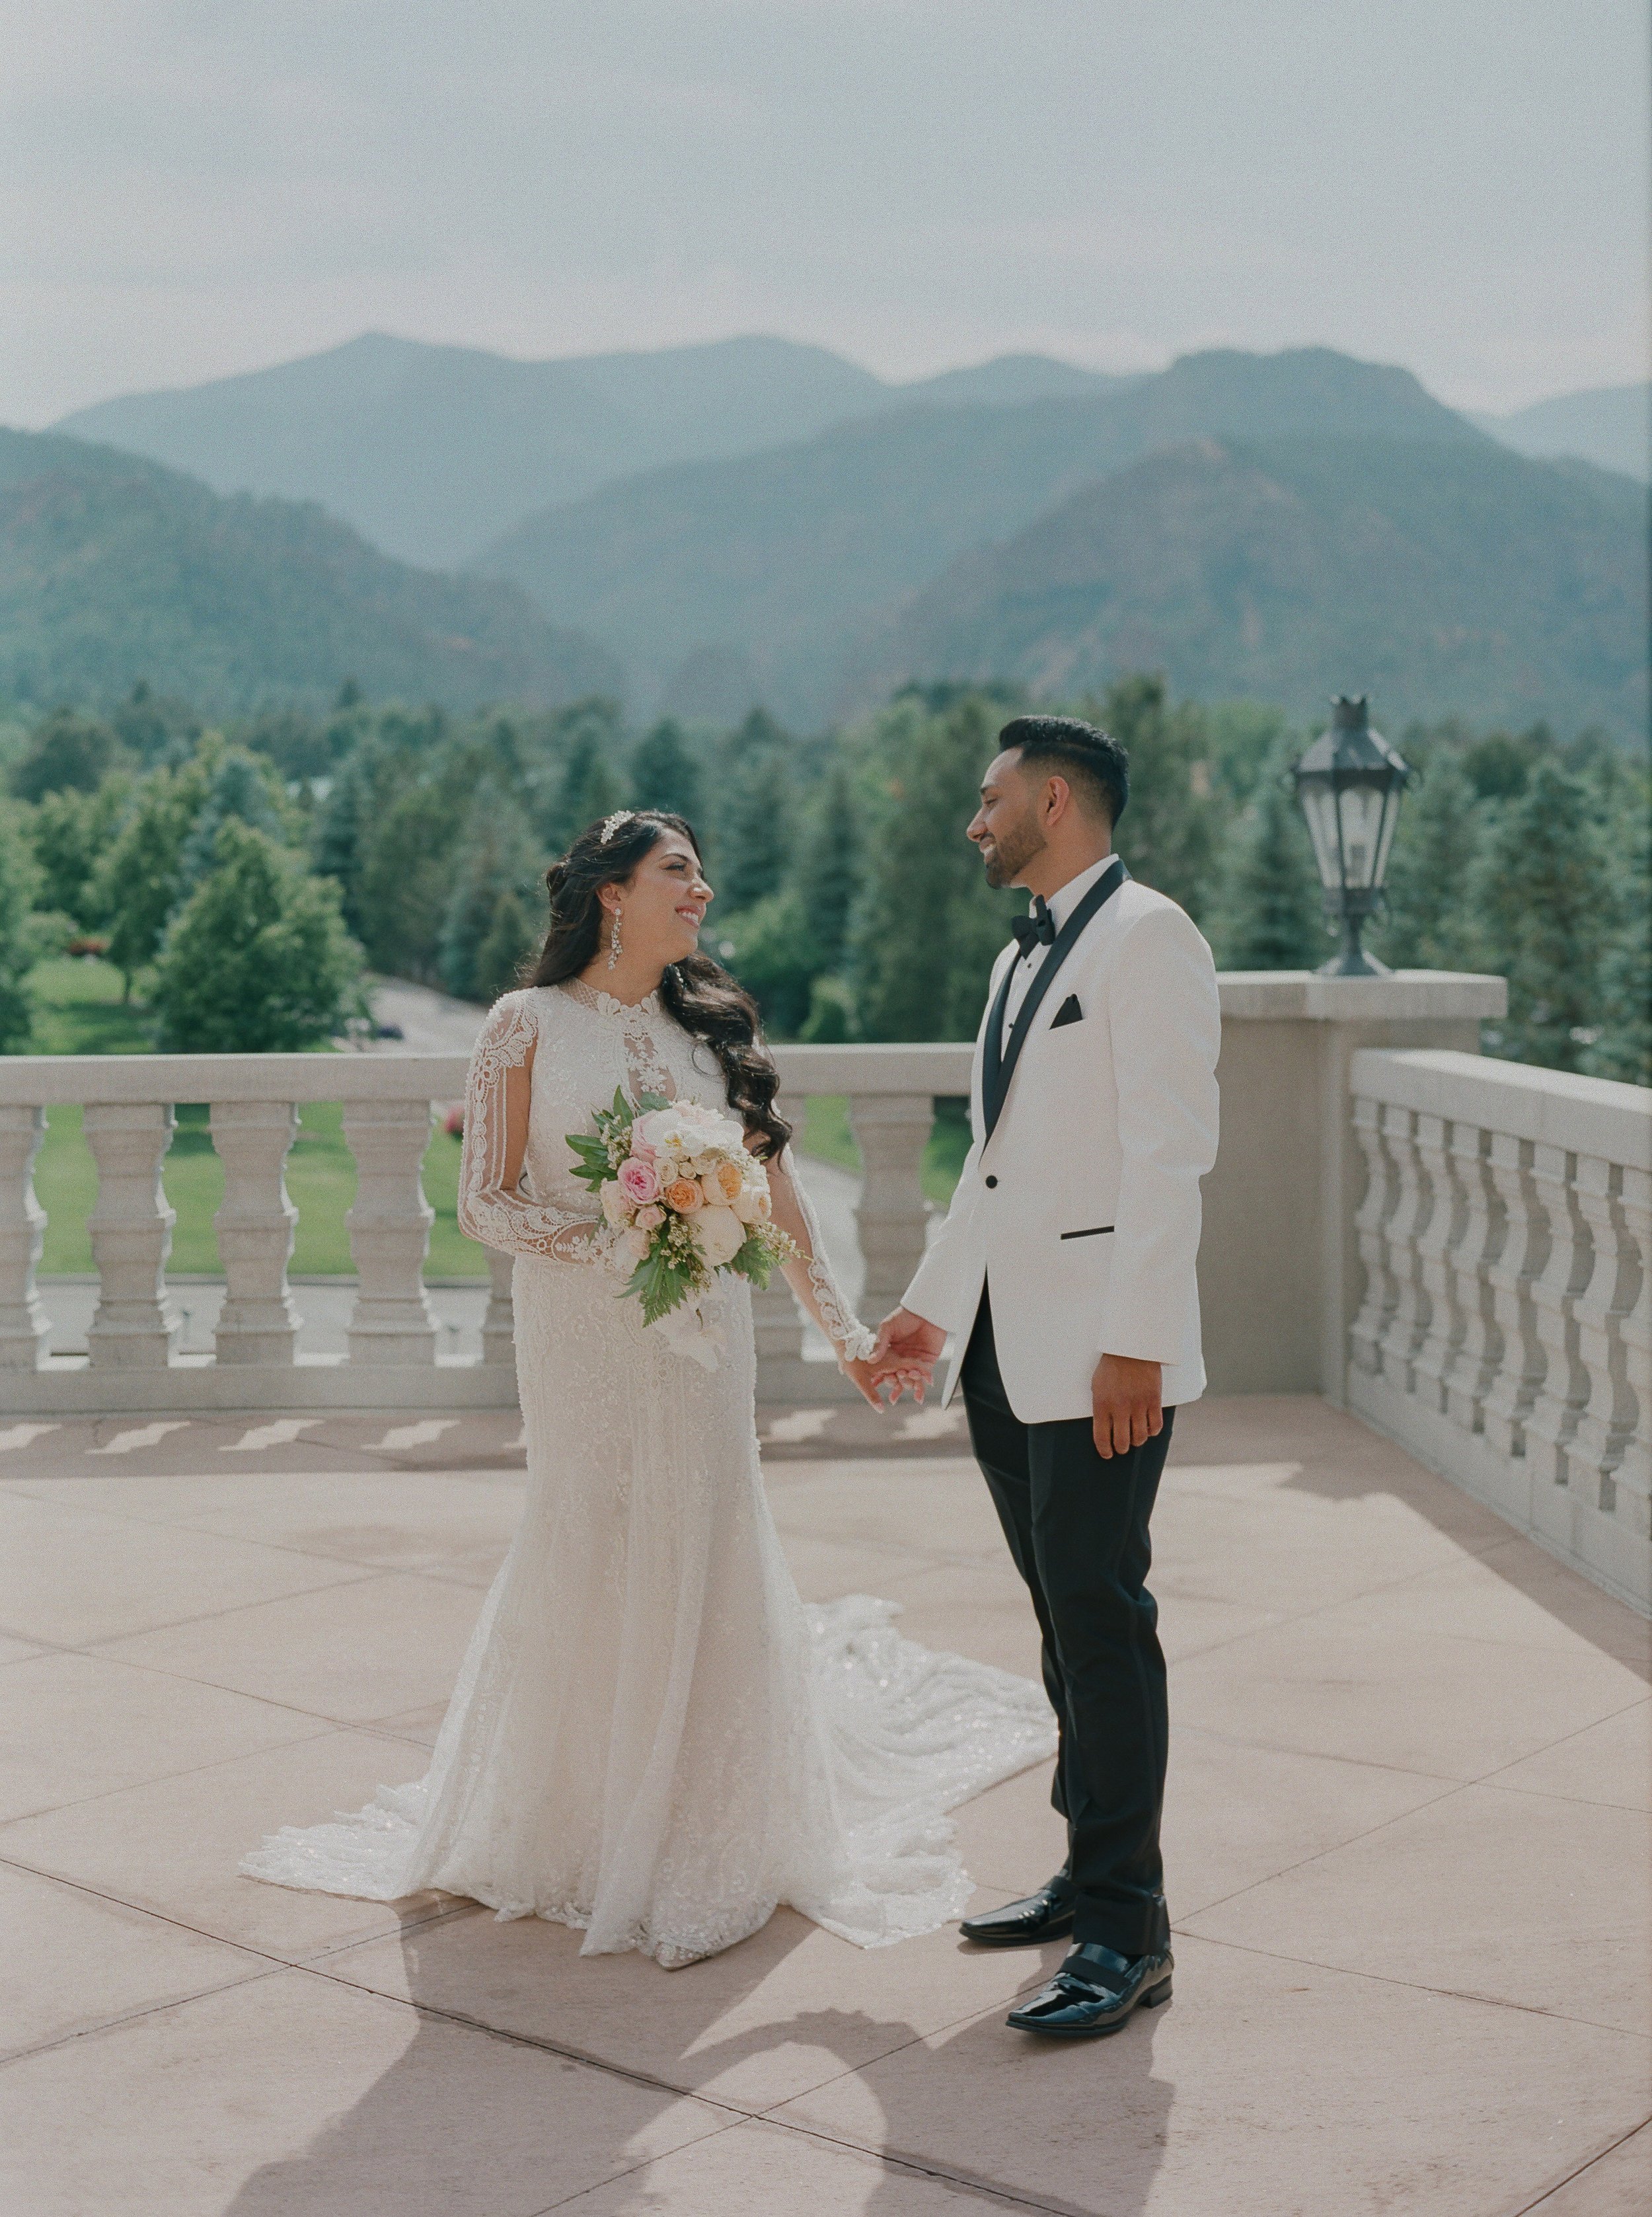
(1092, 761)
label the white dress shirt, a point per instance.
(1061, 905)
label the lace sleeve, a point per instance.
(810, 1275)
(496, 1095)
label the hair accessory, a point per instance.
(611, 823)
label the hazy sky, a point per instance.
(193, 187)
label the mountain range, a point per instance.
(113, 569)
(1610, 426)
(756, 521)
(432, 451)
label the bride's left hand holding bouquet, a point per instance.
(683, 1197)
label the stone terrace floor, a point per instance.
(1407, 1838)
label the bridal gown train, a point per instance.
(651, 1739)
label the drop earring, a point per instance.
(613, 940)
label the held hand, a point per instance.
(870, 1380)
(1124, 1397)
(908, 1347)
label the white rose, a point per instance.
(719, 1235)
(616, 1209)
(635, 1244)
(749, 1204)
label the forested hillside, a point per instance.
(113, 570)
(788, 557)
(1458, 580)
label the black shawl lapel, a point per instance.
(998, 1067)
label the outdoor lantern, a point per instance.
(1349, 783)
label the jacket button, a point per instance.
(992, 1181)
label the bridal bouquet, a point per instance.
(676, 1182)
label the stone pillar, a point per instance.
(131, 1228)
(892, 1131)
(1371, 1219)
(1606, 1421)
(1439, 1243)
(390, 1232)
(255, 1226)
(24, 1327)
(1561, 1396)
(1525, 1252)
(499, 1324)
(1631, 1475)
(1484, 1235)
(1409, 1322)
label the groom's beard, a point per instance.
(1011, 853)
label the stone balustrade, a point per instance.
(1504, 1332)
(133, 1365)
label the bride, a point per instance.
(651, 1739)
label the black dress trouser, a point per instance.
(1076, 1525)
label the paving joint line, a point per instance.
(1600, 2156)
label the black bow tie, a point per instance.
(1032, 930)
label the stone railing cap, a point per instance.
(1406, 996)
(1550, 1107)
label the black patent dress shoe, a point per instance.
(1094, 1991)
(1045, 1915)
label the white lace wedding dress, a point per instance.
(651, 1739)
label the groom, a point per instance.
(1064, 1272)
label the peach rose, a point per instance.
(684, 1195)
(639, 1180)
(724, 1182)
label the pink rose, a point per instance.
(649, 1219)
(639, 1180)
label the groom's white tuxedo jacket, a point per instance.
(1080, 1204)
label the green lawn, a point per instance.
(79, 1011)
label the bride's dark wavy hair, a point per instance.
(699, 993)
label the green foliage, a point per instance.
(486, 932)
(257, 960)
(588, 788)
(19, 883)
(755, 830)
(136, 885)
(1429, 923)
(830, 867)
(928, 928)
(1624, 1049)
(1543, 902)
(1271, 913)
(66, 753)
(70, 831)
(241, 787)
(665, 775)
(1171, 832)
(406, 871)
(772, 951)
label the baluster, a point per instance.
(1512, 1276)
(499, 1324)
(389, 1226)
(24, 1326)
(1565, 1386)
(1437, 1246)
(1412, 1209)
(892, 1131)
(1485, 1230)
(1370, 1221)
(255, 1224)
(1630, 1477)
(1606, 1421)
(131, 1229)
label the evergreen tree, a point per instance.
(1429, 923)
(240, 786)
(494, 869)
(588, 788)
(1170, 834)
(340, 830)
(404, 884)
(928, 927)
(665, 774)
(19, 884)
(756, 843)
(1624, 1049)
(257, 960)
(829, 875)
(1270, 915)
(1544, 909)
(136, 882)
(66, 752)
